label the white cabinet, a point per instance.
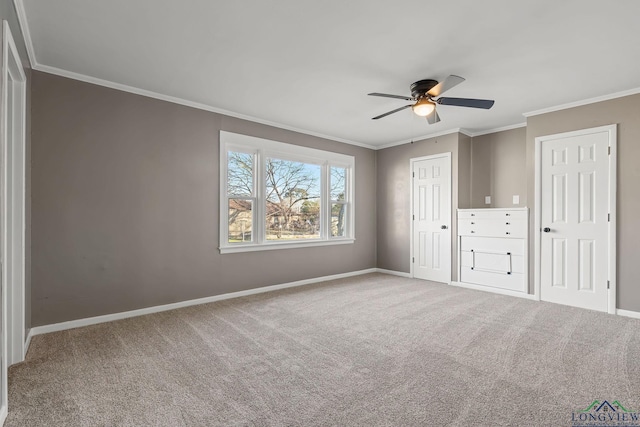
(493, 247)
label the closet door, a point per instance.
(431, 217)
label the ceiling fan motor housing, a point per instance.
(421, 87)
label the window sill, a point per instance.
(283, 245)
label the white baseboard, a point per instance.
(3, 415)
(393, 272)
(628, 313)
(38, 330)
(27, 343)
(495, 290)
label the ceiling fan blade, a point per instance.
(433, 118)
(445, 85)
(467, 102)
(386, 95)
(391, 112)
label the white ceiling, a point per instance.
(309, 65)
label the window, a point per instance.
(338, 186)
(275, 195)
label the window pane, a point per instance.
(293, 200)
(240, 174)
(338, 219)
(338, 183)
(240, 220)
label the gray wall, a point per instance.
(625, 112)
(464, 171)
(125, 205)
(481, 163)
(394, 199)
(499, 169)
(125, 199)
(8, 13)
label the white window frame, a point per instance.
(263, 149)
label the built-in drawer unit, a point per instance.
(492, 247)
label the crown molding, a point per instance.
(494, 130)
(26, 33)
(584, 102)
(185, 102)
(420, 138)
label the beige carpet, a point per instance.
(373, 350)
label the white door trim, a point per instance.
(613, 143)
(411, 163)
(12, 143)
(12, 205)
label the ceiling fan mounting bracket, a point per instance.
(420, 88)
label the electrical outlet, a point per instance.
(516, 200)
(487, 200)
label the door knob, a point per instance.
(444, 227)
(546, 229)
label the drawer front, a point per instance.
(492, 262)
(516, 228)
(493, 214)
(492, 244)
(513, 282)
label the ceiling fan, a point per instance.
(426, 94)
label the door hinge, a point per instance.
(414, 174)
(609, 150)
(413, 260)
(608, 217)
(608, 284)
(413, 217)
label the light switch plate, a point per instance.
(516, 200)
(487, 200)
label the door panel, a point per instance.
(559, 263)
(431, 212)
(574, 207)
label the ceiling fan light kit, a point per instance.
(423, 107)
(426, 94)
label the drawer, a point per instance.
(509, 227)
(497, 262)
(492, 213)
(492, 244)
(513, 282)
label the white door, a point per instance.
(431, 215)
(574, 215)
